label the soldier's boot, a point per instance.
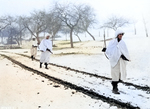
(32, 57)
(40, 64)
(115, 87)
(46, 66)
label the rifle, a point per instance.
(104, 48)
(49, 51)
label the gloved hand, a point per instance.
(104, 49)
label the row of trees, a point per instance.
(68, 18)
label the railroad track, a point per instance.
(91, 93)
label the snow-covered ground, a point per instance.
(21, 89)
(129, 94)
(93, 60)
(138, 70)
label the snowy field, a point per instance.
(94, 61)
(88, 57)
(138, 70)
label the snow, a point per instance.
(21, 89)
(137, 70)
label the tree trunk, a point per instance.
(134, 29)
(145, 27)
(71, 40)
(78, 37)
(52, 39)
(90, 34)
(11, 42)
(38, 40)
(17, 42)
(20, 38)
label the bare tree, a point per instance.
(15, 30)
(3, 34)
(36, 23)
(77, 30)
(5, 21)
(12, 34)
(115, 22)
(87, 19)
(69, 15)
(134, 21)
(53, 24)
(65, 30)
(19, 25)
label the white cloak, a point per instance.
(45, 43)
(45, 55)
(114, 51)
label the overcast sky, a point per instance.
(133, 9)
(104, 8)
